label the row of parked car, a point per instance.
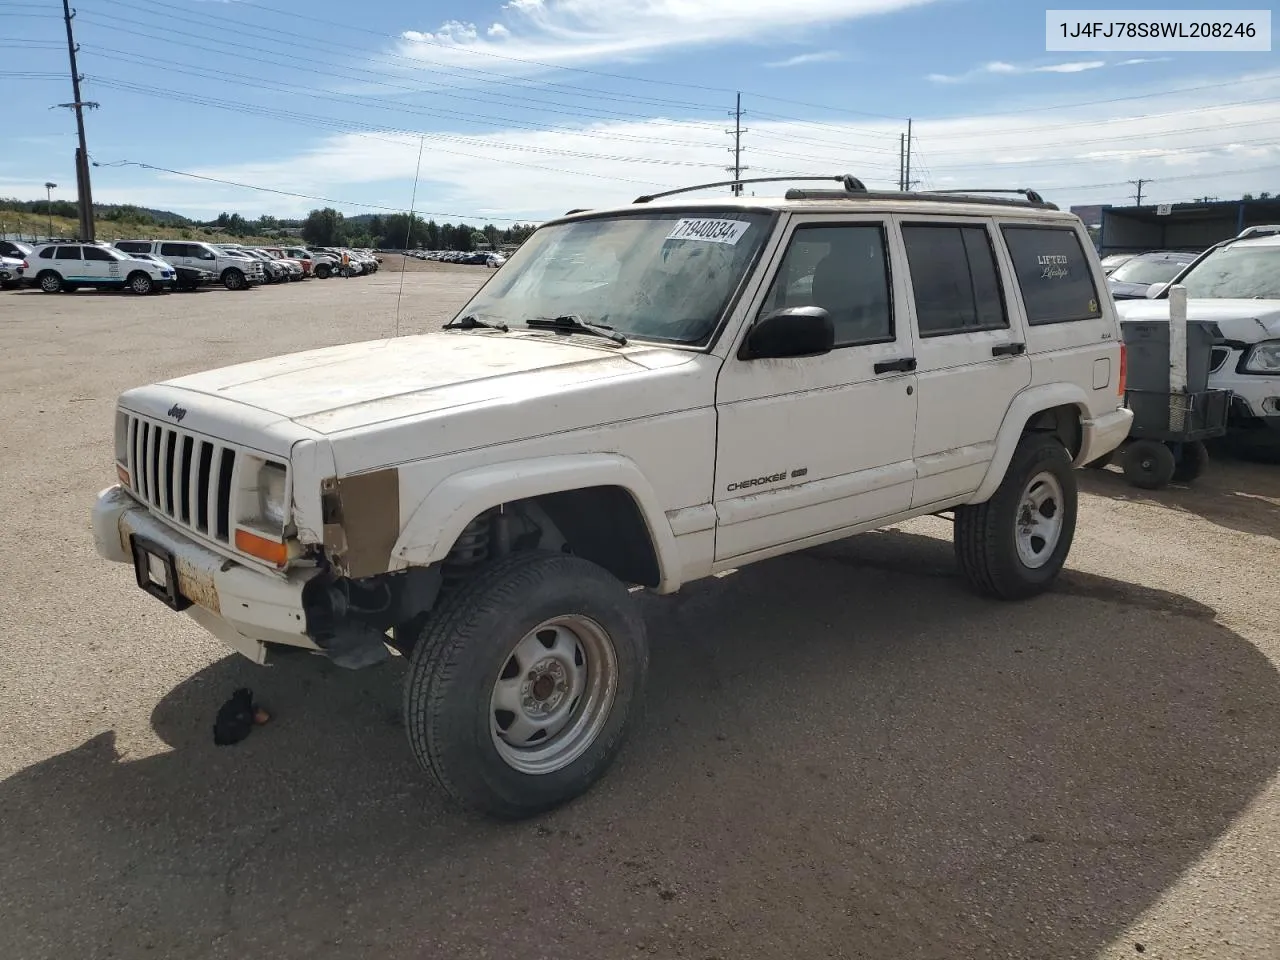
(483, 258)
(145, 266)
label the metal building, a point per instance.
(1180, 226)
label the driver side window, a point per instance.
(844, 270)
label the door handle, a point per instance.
(1008, 349)
(902, 365)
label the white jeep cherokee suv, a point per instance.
(640, 397)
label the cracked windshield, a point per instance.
(665, 276)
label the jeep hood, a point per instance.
(1245, 320)
(360, 384)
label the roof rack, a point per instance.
(851, 185)
(1030, 197)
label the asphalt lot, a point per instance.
(844, 754)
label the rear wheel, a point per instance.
(1014, 545)
(1195, 457)
(324, 271)
(521, 683)
(50, 282)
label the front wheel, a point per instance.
(140, 283)
(323, 271)
(1013, 546)
(1149, 464)
(521, 683)
(233, 279)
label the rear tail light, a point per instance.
(1124, 369)
(25, 265)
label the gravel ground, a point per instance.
(844, 754)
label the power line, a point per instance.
(301, 196)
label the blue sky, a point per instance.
(526, 108)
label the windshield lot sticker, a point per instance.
(714, 231)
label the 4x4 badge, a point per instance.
(177, 412)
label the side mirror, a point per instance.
(1154, 291)
(789, 333)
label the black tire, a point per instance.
(1195, 457)
(459, 658)
(1149, 464)
(233, 279)
(986, 534)
(50, 282)
(139, 283)
(324, 271)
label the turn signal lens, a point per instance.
(123, 474)
(1124, 368)
(272, 551)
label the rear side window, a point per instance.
(48, 252)
(67, 253)
(1053, 274)
(954, 279)
(174, 250)
(133, 246)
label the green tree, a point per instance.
(491, 235)
(324, 228)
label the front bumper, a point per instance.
(1103, 434)
(242, 607)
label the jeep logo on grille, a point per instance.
(177, 412)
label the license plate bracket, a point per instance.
(157, 572)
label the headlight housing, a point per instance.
(273, 494)
(1262, 358)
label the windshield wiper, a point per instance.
(470, 323)
(575, 324)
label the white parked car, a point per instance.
(11, 269)
(1235, 284)
(65, 267)
(641, 397)
(234, 271)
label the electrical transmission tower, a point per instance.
(736, 149)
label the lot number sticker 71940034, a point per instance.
(714, 231)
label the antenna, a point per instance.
(408, 231)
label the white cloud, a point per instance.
(1134, 60)
(574, 32)
(1001, 68)
(800, 60)
(1187, 144)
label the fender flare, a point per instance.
(1026, 405)
(435, 525)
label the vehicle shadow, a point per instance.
(843, 754)
(1233, 493)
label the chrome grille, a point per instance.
(187, 478)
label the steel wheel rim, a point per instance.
(553, 694)
(1038, 525)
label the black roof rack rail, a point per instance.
(851, 185)
(1032, 199)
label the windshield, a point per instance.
(1236, 273)
(1148, 271)
(661, 275)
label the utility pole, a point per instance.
(1138, 197)
(84, 193)
(902, 156)
(907, 173)
(736, 149)
(48, 192)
